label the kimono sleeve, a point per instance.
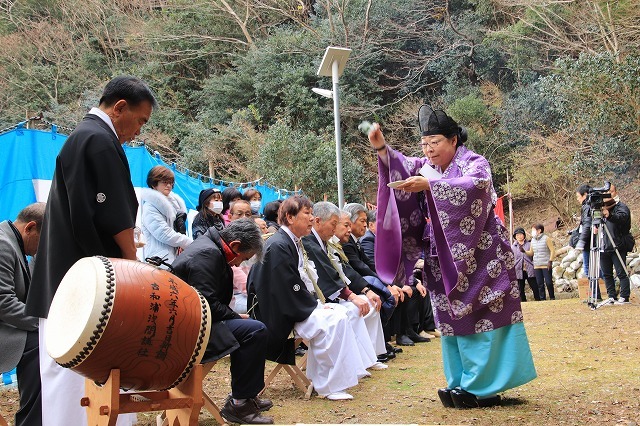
(113, 205)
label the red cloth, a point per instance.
(499, 209)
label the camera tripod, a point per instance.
(597, 242)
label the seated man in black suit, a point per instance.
(368, 240)
(399, 324)
(284, 294)
(363, 309)
(205, 265)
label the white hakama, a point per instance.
(62, 390)
(334, 363)
(368, 331)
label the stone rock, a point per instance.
(576, 264)
(563, 286)
(574, 284)
(557, 272)
(635, 281)
(570, 257)
(569, 274)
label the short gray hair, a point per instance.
(371, 216)
(247, 232)
(32, 213)
(354, 210)
(324, 210)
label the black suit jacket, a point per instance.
(281, 295)
(329, 280)
(358, 260)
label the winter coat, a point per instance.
(158, 214)
(584, 242)
(203, 265)
(618, 223)
(203, 222)
(523, 261)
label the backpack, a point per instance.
(628, 242)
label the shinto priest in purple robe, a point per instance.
(468, 262)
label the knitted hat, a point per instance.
(519, 231)
(204, 194)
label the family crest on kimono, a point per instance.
(442, 207)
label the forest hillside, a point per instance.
(548, 90)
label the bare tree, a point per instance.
(570, 27)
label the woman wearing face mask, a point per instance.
(543, 252)
(209, 212)
(254, 197)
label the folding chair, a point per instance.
(300, 380)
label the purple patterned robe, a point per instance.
(469, 265)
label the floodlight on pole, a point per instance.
(332, 65)
(323, 92)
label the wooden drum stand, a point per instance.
(182, 403)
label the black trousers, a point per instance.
(533, 284)
(28, 374)
(420, 312)
(247, 362)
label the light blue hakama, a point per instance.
(487, 363)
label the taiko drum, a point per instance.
(116, 313)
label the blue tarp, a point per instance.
(27, 163)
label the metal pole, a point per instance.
(336, 122)
(510, 208)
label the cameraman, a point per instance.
(617, 220)
(584, 240)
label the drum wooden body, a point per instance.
(116, 313)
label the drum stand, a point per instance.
(182, 403)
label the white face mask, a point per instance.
(215, 206)
(534, 232)
(255, 206)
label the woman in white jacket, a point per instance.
(160, 207)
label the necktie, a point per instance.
(305, 265)
(338, 248)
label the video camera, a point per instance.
(596, 196)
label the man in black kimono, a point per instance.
(205, 265)
(91, 210)
(284, 295)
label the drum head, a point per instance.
(76, 309)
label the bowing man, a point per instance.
(284, 295)
(337, 288)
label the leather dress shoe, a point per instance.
(263, 404)
(464, 399)
(384, 357)
(403, 340)
(391, 349)
(245, 413)
(445, 397)
(416, 337)
(391, 355)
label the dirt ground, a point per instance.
(587, 363)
